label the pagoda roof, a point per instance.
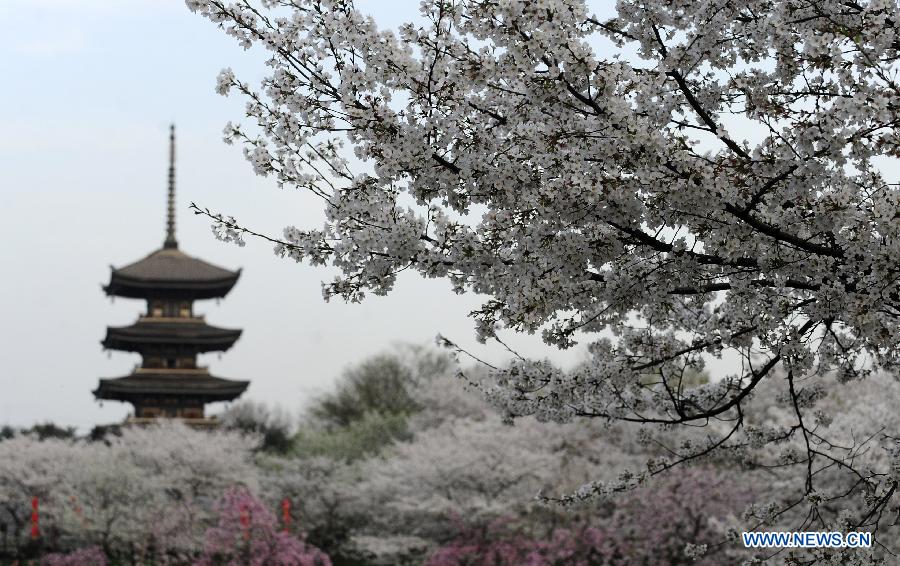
(176, 383)
(192, 333)
(169, 271)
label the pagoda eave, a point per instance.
(189, 335)
(170, 272)
(133, 288)
(136, 387)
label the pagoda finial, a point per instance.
(171, 242)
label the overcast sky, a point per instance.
(90, 87)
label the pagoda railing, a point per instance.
(199, 370)
(204, 421)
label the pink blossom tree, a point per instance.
(499, 545)
(248, 534)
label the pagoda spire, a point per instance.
(171, 242)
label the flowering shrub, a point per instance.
(247, 534)
(90, 556)
(496, 545)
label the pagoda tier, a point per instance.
(170, 273)
(191, 386)
(184, 335)
(160, 393)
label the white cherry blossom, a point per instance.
(618, 189)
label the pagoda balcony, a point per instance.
(203, 422)
(175, 319)
(198, 370)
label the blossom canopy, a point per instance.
(678, 181)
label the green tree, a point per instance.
(380, 384)
(50, 430)
(257, 418)
(370, 406)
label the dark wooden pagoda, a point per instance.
(169, 383)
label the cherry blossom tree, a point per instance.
(477, 470)
(30, 468)
(855, 416)
(669, 183)
(463, 486)
(463, 472)
(176, 470)
(460, 489)
(323, 476)
(147, 490)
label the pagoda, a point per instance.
(169, 383)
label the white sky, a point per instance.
(89, 88)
